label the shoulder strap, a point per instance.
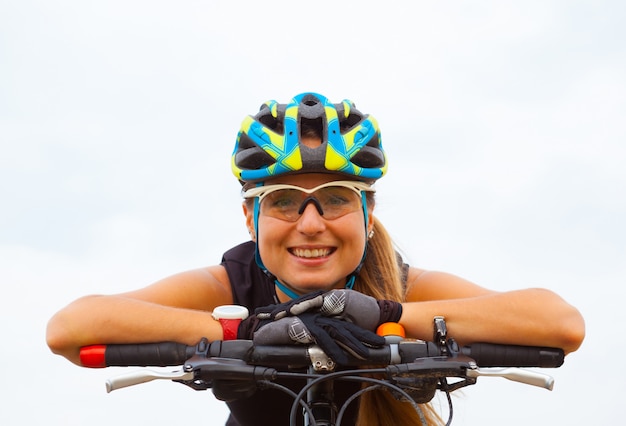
(249, 285)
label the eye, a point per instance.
(337, 196)
(336, 200)
(281, 199)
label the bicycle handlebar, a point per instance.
(414, 369)
(170, 354)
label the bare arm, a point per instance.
(535, 317)
(177, 308)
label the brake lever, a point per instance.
(144, 376)
(515, 374)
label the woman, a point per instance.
(307, 168)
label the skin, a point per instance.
(178, 308)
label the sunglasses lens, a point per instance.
(335, 201)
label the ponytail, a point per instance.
(382, 278)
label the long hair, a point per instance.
(381, 277)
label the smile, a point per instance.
(311, 253)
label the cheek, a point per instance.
(268, 235)
(357, 241)
(351, 233)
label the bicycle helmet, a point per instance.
(269, 143)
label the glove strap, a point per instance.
(390, 311)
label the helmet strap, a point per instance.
(289, 292)
(257, 255)
(352, 277)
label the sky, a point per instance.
(504, 122)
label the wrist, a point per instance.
(229, 317)
(390, 311)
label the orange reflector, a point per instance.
(390, 329)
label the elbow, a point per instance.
(59, 339)
(55, 338)
(572, 331)
(562, 324)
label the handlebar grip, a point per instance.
(493, 355)
(160, 354)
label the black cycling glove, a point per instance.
(336, 337)
(356, 307)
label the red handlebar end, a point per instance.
(93, 356)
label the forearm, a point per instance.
(117, 319)
(526, 317)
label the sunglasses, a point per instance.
(332, 200)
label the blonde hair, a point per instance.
(382, 278)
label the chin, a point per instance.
(310, 287)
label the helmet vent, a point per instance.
(311, 128)
(250, 156)
(350, 121)
(270, 122)
(370, 156)
(311, 107)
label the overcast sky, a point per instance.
(504, 122)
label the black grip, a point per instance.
(165, 354)
(492, 355)
(236, 349)
(160, 354)
(299, 356)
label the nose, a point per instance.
(310, 221)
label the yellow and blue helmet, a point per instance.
(269, 143)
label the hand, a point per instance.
(334, 336)
(350, 305)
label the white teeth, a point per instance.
(311, 252)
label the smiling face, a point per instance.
(311, 253)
